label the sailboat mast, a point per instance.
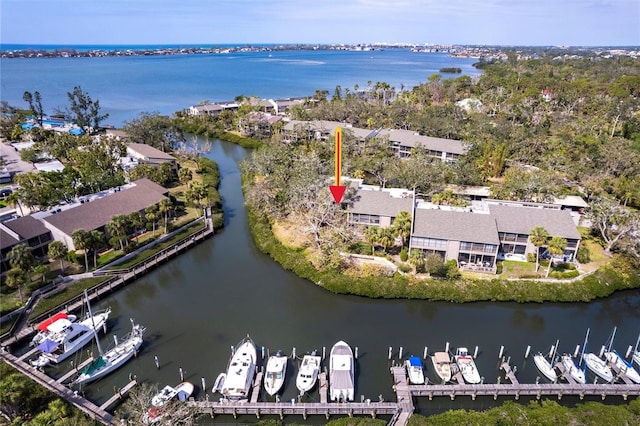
(93, 325)
(584, 346)
(613, 336)
(637, 343)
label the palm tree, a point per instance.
(96, 242)
(372, 235)
(416, 258)
(117, 227)
(556, 247)
(80, 239)
(538, 237)
(42, 270)
(57, 250)
(387, 237)
(151, 214)
(16, 278)
(402, 225)
(165, 207)
(135, 219)
(20, 257)
(13, 200)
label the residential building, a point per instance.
(372, 205)
(146, 154)
(23, 230)
(258, 125)
(403, 141)
(95, 211)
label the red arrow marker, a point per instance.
(337, 190)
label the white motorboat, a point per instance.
(442, 365)
(114, 358)
(625, 368)
(217, 385)
(467, 366)
(182, 391)
(240, 371)
(414, 370)
(573, 369)
(545, 366)
(275, 373)
(341, 372)
(308, 372)
(64, 338)
(52, 325)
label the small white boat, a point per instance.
(341, 372)
(442, 365)
(52, 325)
(240, 371)
(599, 367)
(414, 370)
(275, 373)
(114, 358)
(573, 369)
(217, 385)
(182, 391)
(308, 372)
(625, 368)
(64, 338)
(467, 366)
(545, 366)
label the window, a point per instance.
(366, 219)
(420, 242)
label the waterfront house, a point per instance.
(372, 205)
(213, 109)
(403, 141)
(469, 238)
(258, 125)
(146, 154)
(23, 230)
(95, 211)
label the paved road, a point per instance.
(13, 163)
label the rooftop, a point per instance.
(455, 226)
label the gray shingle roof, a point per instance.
(456, 226)
(522, 220)
(148, 151)
(6, 239)
(27, 227)
(413, 139)
(97, 213)
(378, 203)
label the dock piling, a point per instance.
(156, 361)
(425, 353)
(356, 355)
(390, 352)
(204, 385)
(400, 354)
(501, 351)
(181, 374)
(475, 353)
(577, 351)
(526, 353)
(293, 353)
(446, 347)
(629, 349)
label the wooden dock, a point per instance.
(323, 387)
(75, 370)
(121, 393)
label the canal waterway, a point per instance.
(203, 302)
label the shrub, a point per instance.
(453, 272)
(531, 257)
(73, 257)
(404, 254)
(583, 255)
(405, 267)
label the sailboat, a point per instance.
(115, 357)
(546, 366)
(576, 371)
(636, 352)
(598, 366)
(615, 359)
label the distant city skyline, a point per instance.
(486, 22)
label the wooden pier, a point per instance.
(121, 393)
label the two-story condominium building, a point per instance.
(372, 205)
(23, 230)
(403, 141)
(95, 211)
(469, 238)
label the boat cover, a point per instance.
(43, 326)
(415, 361)
(182, 396)
(94, 366)
(48, 346)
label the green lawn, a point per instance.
(514, 269)
(67, 294)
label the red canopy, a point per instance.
(46, 323)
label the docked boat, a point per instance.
(341, 372)
(240, 371)
(114, 358)
(467, 366)
(275, 373)
(64, 338)
(155, 413)
(308, 372)
(52, 325)
(573, 369)
(442, 365)
(545, 366)
(599, 367)
(217, 385)
(625, 368)
(414, 370)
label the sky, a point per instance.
(489, 22)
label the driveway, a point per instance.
(12, 161)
